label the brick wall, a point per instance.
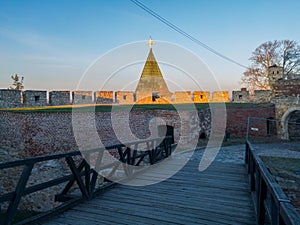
(237, 118)
(285, 88)
(42, 133)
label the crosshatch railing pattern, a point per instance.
(83, 179)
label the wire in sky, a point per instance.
(182, 32)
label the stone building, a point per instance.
(10, 98)
(34, 98)
(152, 88)
(274, 73)
(59, 98)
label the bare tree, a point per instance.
(290, 57)
(17, 83)
(284, 53)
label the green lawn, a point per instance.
(108, 108)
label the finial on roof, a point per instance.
(150, 42)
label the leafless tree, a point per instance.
(284, 53)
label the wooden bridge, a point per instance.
(222, 194)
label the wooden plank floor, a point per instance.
(219, 195)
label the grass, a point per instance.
(144, 107)
(288, 164)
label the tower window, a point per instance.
(201, 96)
(83, 97)
(240, 96)
(154, 96)
(36, 98)
(124, 97)
(273, 72)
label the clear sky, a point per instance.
(51, 43)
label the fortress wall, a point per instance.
(201, 96)
(124, 97)
(30, 134)
(220, 96)
(15, 98)
(10, 98)
(240, 96)
(147, 97)
(237, 118)
(104, 97)
(182, 97)
(35, 98)
(262, 96)
(144, 97)
(284, 88)
(59, 98)
(82, 97)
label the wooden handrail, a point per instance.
(83, 175)
(269, 199)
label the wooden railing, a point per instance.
(130, 156)
(271, 203)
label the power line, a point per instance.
(182, 32)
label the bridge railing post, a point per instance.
(271, 203)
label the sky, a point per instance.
(53, 43)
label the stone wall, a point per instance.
(241, 96)
(44, 133)
(220, 96)
(124, 97)
(35, 98)
(10, 98)
(13, 99)
(262, 96)
(201, 96)
(59, 98)
(104, 97)
(182, 97)
(82, 97)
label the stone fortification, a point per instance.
(32, 98)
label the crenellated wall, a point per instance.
(241, 96)
(262, 96)
(32, 98)
(220, 96)
(36, 98)
(59, 98)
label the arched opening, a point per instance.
(202, 136)
(291, 124)
(166, 130)
(294, 125)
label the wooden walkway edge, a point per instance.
(219, 195)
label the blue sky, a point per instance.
(51, 43)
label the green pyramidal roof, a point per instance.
(151, 79)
